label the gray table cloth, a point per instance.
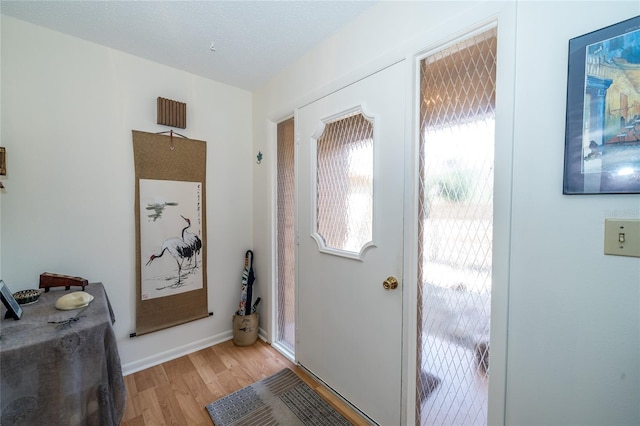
(60, 372)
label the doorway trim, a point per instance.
(504, 20)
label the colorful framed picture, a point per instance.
(602, 134)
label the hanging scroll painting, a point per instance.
(171, 236)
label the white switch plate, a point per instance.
(622, 237)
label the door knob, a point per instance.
(390, 283)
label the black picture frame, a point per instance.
(13, 308)
(602, 132)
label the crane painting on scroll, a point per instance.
(170, 237)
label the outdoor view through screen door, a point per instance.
(457, 92)
(344, 185)
(286, 238)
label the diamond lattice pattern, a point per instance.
(345, 183)
(286, 235)
(455, 232)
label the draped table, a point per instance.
(61, 367)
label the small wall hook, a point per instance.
(259, 157)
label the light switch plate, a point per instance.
(622, 237)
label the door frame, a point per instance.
(504, 20)
(411, 52)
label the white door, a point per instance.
(349, 325)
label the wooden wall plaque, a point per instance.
(172, 113)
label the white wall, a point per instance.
(68, 109)
(572, 346)
(574, 317)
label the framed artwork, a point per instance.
(13, 308)
(602, 133)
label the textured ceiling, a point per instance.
(253, 40)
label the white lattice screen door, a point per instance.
(286, 240)
(455, 231)
(350, 213)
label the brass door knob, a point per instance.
(390, 283)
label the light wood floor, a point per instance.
(175, 393)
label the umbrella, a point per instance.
(244, 308)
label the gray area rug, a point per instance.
(281, 399)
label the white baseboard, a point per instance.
(152, 361)
(174, 353)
